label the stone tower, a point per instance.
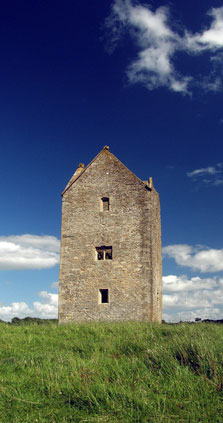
(110, 266)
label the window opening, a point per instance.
(100, 254)
(108, 254)
(103, 296)
(105, 204)
(104, 253)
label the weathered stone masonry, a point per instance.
(110, 265)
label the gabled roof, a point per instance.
(81, 169)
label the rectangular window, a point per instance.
(105, 204)
(103, 296)
(104, 253)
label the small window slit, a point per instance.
(105, 204)
(104, 296)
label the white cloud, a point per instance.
(14, 310)
(49, 298)
(186, 299)
(28, 252)
(211, 170)
(211, 38)
(194, 299)
(158, 45)
(45, 309)
(196, 258)
(55, 285)
(48, 308)
(175, 283)
(211, 175)
(211, 83)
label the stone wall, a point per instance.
(131, 226)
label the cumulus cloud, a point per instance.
(28, 252)
(196, 258)
(19, 309)
(158, 44)
(47, 308)
(195, 299)
(186, 299)
(173, 283)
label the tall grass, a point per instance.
(118, 372)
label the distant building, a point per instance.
(110, 266)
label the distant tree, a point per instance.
(28, 320)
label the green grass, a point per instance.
(111, 373)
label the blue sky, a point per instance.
(146, 79)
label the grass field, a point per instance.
(119, 372)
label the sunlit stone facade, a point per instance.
(110, 268)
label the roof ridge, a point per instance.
(148, 184)
(72, 180)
